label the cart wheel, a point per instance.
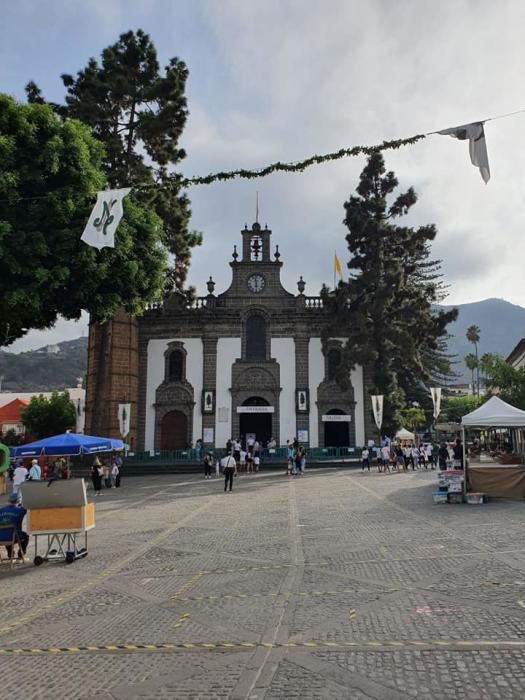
(38, 560)
(70, 557)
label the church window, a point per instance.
(333, 360)
(256, 338)
(176, 366)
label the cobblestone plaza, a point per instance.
(337, 584)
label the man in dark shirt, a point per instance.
(13, 514)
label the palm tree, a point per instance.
(472, 364)
(473, 334)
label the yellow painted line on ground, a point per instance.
(106, 573)
(186, 586)
(367, 644)
(521, 603)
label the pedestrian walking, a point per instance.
(365, 459)
(229, 468)
(385, 456)
(208, 465)
(289, 458)
(96, 476)
(35, 473)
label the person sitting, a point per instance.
(13, 514)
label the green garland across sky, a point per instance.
(300, 165)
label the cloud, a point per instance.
(272, 80)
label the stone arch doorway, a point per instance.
(174, 431)
(257, 424)
(336, 432)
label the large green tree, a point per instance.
(44, 416)
(138, 112)
(507, 381)
(386, 309)
(50, 170)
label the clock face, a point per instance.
(256, 283)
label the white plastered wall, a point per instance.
(283, 350)
(315, 377)
(155, 376)
(228, 350)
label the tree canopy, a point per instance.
(138, 112)
(50, 170)
(386, 309)
(44, 417)
(507, 381)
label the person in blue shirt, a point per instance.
(13, 514)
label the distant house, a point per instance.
(11, 416)
(52, 349)
(516, 358)
(77, 396)
(459, 389)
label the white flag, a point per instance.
(124, 417)
(436, 400)
(104, 219)
(377, 407)
(477, 146)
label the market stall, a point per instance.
(490, 477)
(403, 435)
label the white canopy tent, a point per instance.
(404, 434)
(495, 413)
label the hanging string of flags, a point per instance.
(107, 211)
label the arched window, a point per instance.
(256, 338)
(176, 366)
(333, 360)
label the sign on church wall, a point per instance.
(336, 418)
(255, 409)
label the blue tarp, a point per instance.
(66, 445)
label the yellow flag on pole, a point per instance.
(337, 266)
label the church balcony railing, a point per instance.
(313, 302)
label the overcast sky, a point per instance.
(281, 80)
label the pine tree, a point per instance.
(386, 309)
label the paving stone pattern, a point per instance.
(337, 584)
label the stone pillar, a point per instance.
(112, 376)
(209, 382)
(302, 420)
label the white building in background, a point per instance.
(247, 361)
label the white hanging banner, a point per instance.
(477, 146)
(105, 218)
(124, 418)
(377, 407)
(435, 391)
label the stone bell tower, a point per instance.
(112, 376)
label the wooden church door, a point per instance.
(174, 431)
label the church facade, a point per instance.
(246, 361)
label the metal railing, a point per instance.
(279, 454)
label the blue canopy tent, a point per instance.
(67, 445)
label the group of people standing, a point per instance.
(398, 457)
(108, 472)
(296, 458)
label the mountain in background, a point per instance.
(502, 325)
(51, 367)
